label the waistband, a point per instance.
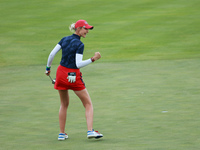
(68, 69)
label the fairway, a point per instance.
(145, 89)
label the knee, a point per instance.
(88, 106)
(65, 105)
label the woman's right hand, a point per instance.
(97, 56)
(47, 72)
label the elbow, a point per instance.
(78, 65)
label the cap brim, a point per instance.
(89, 27)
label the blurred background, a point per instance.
(145, 88)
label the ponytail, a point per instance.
(72, 27)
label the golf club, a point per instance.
(53, 80)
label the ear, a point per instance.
(78, 29)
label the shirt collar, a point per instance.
(76, 36)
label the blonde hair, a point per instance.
(72, 27)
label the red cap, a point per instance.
(83, 23)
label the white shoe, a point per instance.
(94, 134)
(62, 136)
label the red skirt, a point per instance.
(62, 81)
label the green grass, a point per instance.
(145, 89)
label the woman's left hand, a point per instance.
(97, 56)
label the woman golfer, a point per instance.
(69, 77)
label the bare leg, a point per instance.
(64, 103)
(87, 103)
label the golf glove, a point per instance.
(71, 77)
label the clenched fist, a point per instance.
(97, 56)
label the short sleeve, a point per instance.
(60, 43)
(80, 49)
